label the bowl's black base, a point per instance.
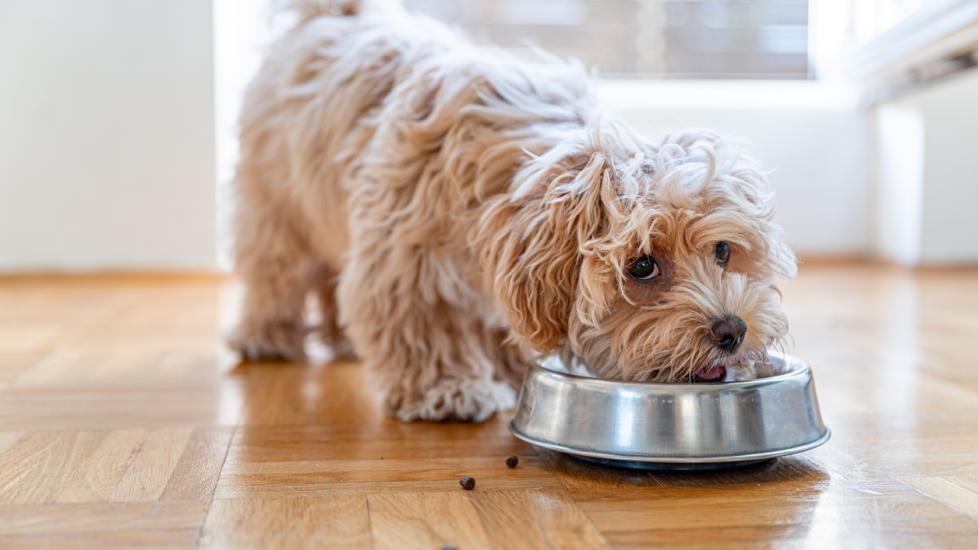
(671, 466)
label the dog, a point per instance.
(457, 211)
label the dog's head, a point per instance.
(653, 263)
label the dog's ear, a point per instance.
(755, 206)
(711, 166)
(532, 240)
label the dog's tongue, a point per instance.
(711, 373)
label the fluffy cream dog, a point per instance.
(456, 211)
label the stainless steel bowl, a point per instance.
(672, 426)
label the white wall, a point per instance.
(106, 135)
(949, 217)
(899, 152)
(812, 137)
(935, 183)
(242, 30)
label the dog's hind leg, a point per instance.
(274, 263)
(328, 325)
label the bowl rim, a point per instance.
(805, 370)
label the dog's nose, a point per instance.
(728, 333)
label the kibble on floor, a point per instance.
(467, 483)
(512, 462)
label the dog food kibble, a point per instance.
(512, 461)
(467, 483)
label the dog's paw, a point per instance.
(269, 341)
(458, 400)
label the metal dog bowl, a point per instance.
(670, 426)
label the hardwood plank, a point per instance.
(114, 524)
(535, 518)
(127, 365)
(150, 470)
(373, 476)
(294, 395)
(37, 467)
(23, 338)
(425, 520)
(7, 439)
(97, 479)
(882, 513)
(959, 493)
(131, 538)
(196, 473)
(14, 364)
(288, 522)
(106, 410)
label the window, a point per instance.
(646, 38)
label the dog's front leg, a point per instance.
(433, 359)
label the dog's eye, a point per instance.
(644, 269)
(722, 251)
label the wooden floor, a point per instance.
(123, 423)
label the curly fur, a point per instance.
(457, 210)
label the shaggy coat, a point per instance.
(456, 211)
